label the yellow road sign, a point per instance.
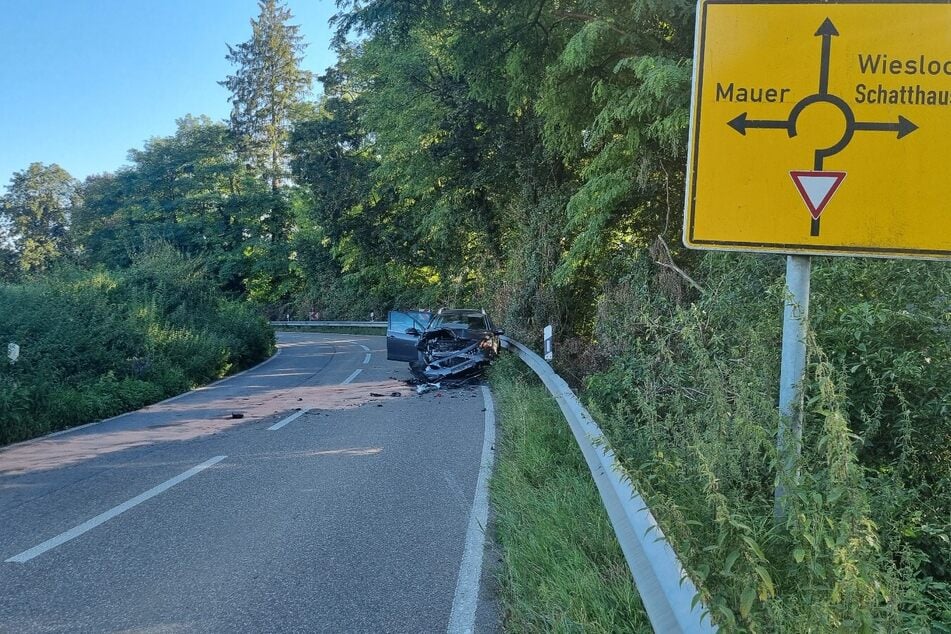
(821, 128)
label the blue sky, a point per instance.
(83, 81)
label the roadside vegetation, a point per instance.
(687, 396)
(95, 343)
(562, 568)
(528, 157)
(686, 393)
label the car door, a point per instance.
(401, 345)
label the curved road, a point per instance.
(321, 508)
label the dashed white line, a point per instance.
(365, 349)
(466, 599)
(350, 378)
(287, 420)
(88, 525)
(366, 359)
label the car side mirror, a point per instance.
(499, 331)
(412, 331)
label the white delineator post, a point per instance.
(792, 376)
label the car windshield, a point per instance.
(470, 322)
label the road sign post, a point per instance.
(818, 128)
(792, 375)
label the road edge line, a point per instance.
(466, 598)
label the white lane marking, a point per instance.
(366, 359)
(352, 376)
(365, 349)
(466, 600)
(88, 525)
(287, 420)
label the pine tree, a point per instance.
(267, 87)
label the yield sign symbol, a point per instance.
(816, 188)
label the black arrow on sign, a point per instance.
(741, 124)
(904, 127)
(826, 30)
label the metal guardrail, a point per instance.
(332, 324)
(666, 591)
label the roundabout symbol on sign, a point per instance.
(817, 186)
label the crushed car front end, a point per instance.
(454, 344)
(449, 353)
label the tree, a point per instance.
(188, 190)
(8, 257)
(267, 88)
(36, 211)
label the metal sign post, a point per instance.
(792, 376)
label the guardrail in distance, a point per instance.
(332, 324)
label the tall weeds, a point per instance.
(689, 404)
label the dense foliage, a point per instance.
(267, 87)
(688, 399)
(528, 156)
(95, 343)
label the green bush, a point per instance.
(688, 401)
(97, 343)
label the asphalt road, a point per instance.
(351, 517)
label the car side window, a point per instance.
(421, 320)
(400, 322)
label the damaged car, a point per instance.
(452, 344)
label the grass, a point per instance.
(562, 569)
